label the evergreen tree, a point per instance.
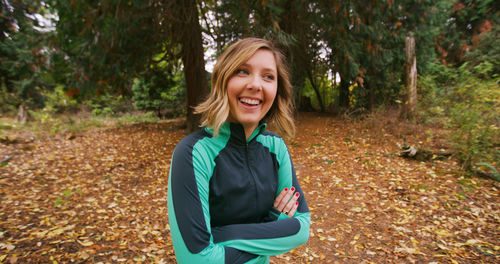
(467, 22)
(23, 53)
(107, 42)
(367, 43)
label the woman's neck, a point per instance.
(249, 129)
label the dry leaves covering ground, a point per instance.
(101, 197)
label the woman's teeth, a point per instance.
(249, 101)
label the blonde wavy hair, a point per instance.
(215, 109)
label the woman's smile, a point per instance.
(250, 101)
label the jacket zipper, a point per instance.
(251, 173)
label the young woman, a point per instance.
(233, 196)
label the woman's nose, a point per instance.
(255, 83)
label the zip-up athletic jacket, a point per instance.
(221, 192)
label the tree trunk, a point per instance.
(371, 95)
(344, 93)
(193, 60)
(298, 59)
(22, 114)
(410, 98)
(316, 91)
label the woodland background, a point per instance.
(83, 82)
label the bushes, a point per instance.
(159, 90)
(58, 102)
(475, 115)
(147, 117)
(467, 101)
(108, 104)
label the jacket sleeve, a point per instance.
(275, 237)
(188, 212)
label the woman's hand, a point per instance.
(286, 201)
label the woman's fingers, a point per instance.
(280, 197)
(284, 200)
(291, 204)
(294, 209)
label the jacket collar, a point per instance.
(236, 133)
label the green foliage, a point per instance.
(486, 50)
(159, 90)
(106, 43)
(494, 171)
(107, 104)
(24, 52)
(47, 121)
(101, 49)
(469, 105)
(67, 193)
(148, 117)
(62, 200)
(58, 102)
(8, 101)
(467, 20)
(59, 201)
(327, 94)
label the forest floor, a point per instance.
(99, 196)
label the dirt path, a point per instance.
(101, 197)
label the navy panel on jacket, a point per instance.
(287, 227)
(247, 195)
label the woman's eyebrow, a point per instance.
(265, 68)
(270, 70)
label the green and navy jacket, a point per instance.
(221, 192)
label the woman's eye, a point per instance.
(269, 77)
(241, 71)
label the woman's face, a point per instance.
(252, 89)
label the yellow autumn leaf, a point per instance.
(40, 234)
(356, 209)
(86, 243)
(471, 242)
(55, 232)
(401, 210)
(406, 250)
(443, 232)
(141, 259)
(306, 180)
